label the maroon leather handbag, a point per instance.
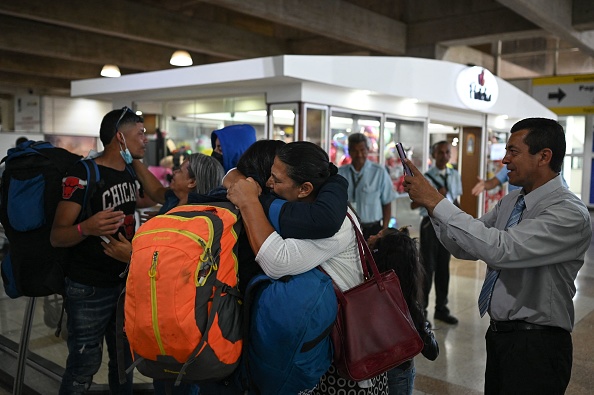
(374, 331)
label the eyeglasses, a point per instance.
(125, 110)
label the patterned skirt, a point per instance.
(332, 384)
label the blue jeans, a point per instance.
(92, 318)
(401, 382)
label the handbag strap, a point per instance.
(366, 256)
(367, 262)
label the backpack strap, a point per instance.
(93, 177)
(133, 174)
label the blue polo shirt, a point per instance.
(453, 184)
(369, 190)
(502, 177)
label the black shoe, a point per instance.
(446, 317)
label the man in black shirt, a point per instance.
(99, 249)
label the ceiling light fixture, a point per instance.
(181, 58)
(110, 70)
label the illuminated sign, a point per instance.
(477, 88)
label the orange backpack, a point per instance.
(182, 307)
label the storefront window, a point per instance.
(315, 124)
(496, 143)
(284, 121)
(573, 166)
(410, 134)
(342, 124)
(189, 123)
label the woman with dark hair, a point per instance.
(257, 160)
(299, 171)
(395, 249)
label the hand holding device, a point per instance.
(402, 155)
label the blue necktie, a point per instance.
(487, 290)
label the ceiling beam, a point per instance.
(41, 39)
(33, 82)
(469, 28)
(335, 19)
(40, 66)
(555, 17)
(583, 15)
(323, 46)
(147, 24)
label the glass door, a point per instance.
(315, 125)
(573, 163)
(284, 121)
(412, 136)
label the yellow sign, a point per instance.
(566, 95)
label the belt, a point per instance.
(511, 326)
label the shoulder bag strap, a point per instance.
(366, 256)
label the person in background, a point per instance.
(436, 258)
(299, 171)
(499, 179)
(198, 173)
(533, 243)
(98, 251)
(370, 187)
(395, 249)
(230, 142)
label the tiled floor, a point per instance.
(460, 366)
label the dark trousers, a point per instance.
(436, 261)
(91, 313)
(528, 362)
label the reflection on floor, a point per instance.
(458, 370)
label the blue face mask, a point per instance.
(126, 155)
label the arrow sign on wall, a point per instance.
(567, 95)
(559, 95)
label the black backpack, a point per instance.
(29, 194)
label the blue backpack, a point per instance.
(29, 194)
(288, 347)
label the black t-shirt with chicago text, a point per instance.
(87, 263)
